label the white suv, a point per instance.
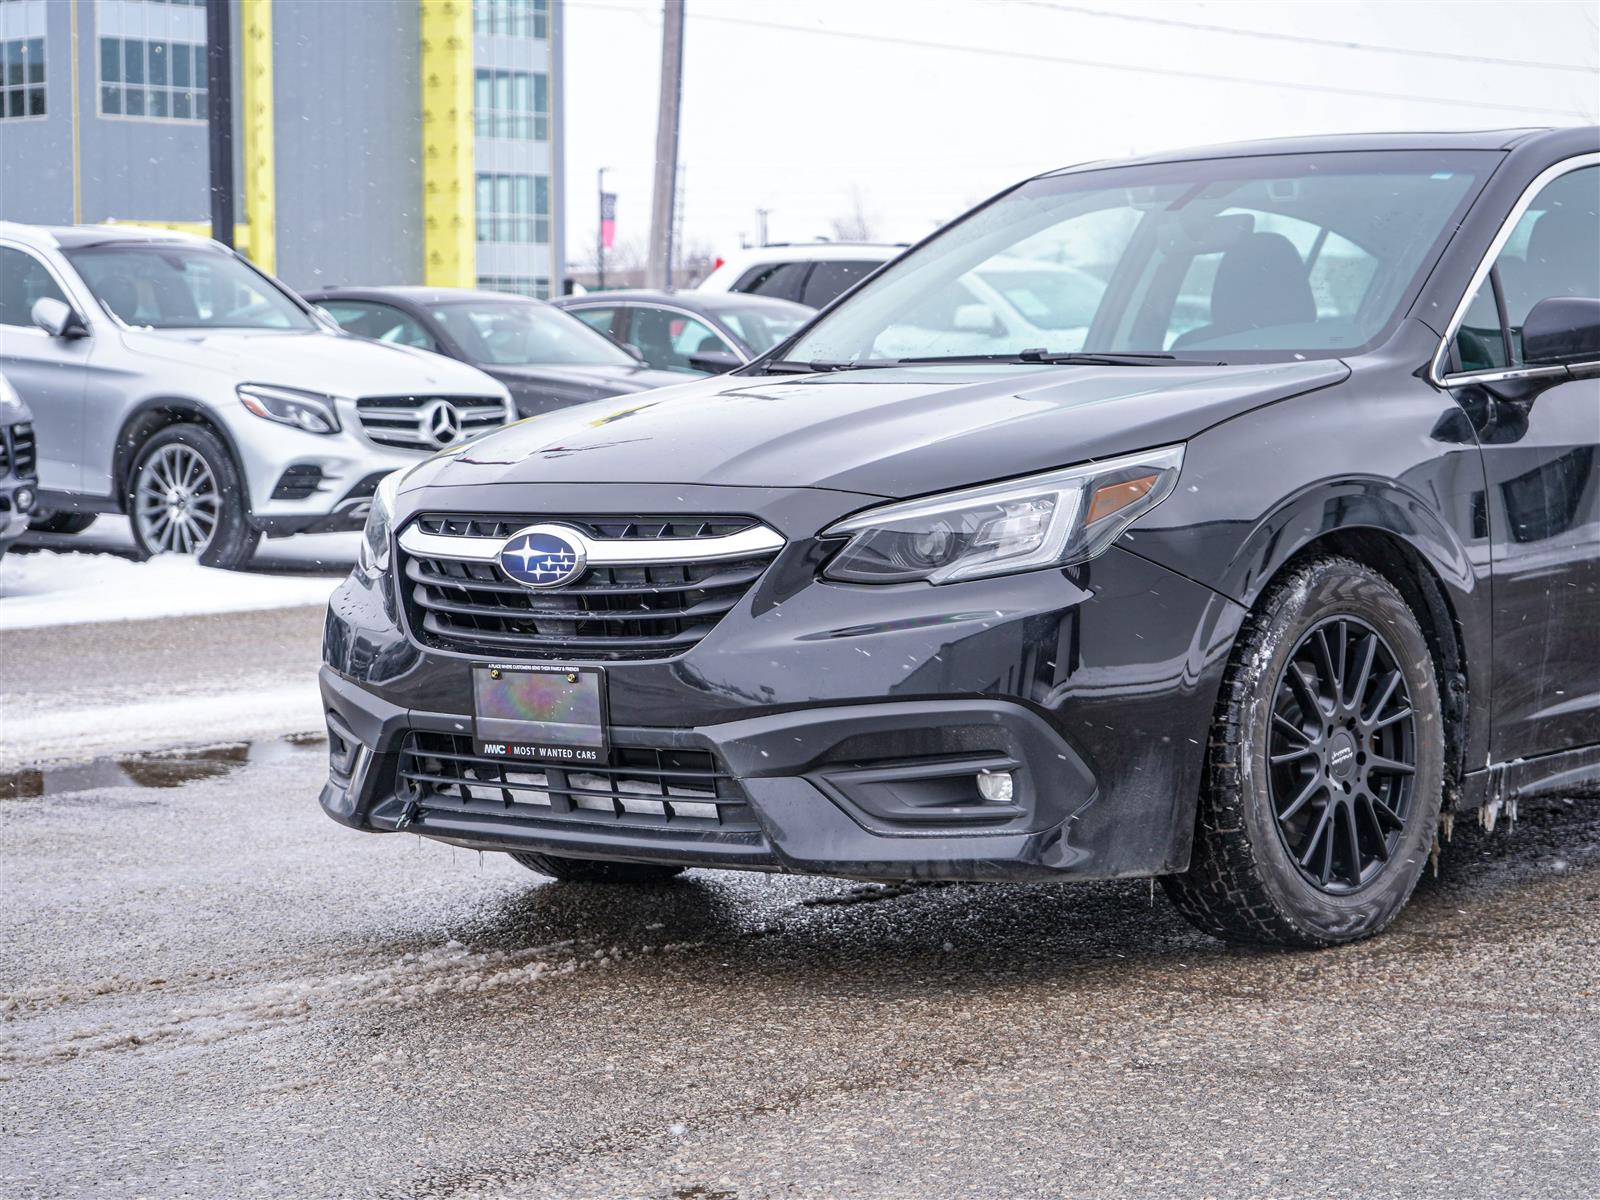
(173, 381)
(810, 273)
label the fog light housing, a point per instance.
(24, 499)
(997, 787)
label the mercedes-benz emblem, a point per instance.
(441, 422)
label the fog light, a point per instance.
(995, 786)
(24, 499)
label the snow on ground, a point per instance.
(78, 734)
(47, 587)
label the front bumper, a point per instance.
(851, 722)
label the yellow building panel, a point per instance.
(449, 240)
(260, 182)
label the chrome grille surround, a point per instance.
(653, 588)
(415, 422)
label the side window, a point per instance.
(782, 280)
(666, 339)
(379, 322)
(829, 280)
(601, 320)
(1553, 251)
(23, 280)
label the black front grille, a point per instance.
(609, 613)
(17, 451)
(683, 790)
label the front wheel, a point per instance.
(1325, 769)
(186, 496)
(587, 870)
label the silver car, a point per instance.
(173, 381)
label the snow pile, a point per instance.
(50, 588)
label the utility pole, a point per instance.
(663, 192)
(219, 123)
(761, 218)
(600, 237)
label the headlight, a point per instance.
(303, 410)
(1022, 525)
(373, 555)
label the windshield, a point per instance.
(1239, 259)
(761, 328)
(521, 333)
(172, 286)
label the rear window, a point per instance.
(783, 280)
(830, 280)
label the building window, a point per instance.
(512, 18)
(22, 78)
(513, 104)
(152, 80)
(513, 208)
(536, 286)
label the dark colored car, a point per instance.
(19, 467)
(700, 333)
(1296, 548)
(547, 359)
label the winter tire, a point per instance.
(1324, 770)
(186, 496)
(585, 870)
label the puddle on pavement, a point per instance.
(161, 769)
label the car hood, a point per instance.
(889, 432)
(604, 380)
(314, 361)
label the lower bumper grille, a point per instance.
(684, 790)
(17, 452)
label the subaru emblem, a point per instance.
(543, 556)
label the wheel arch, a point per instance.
(148, 419)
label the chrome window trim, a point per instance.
(1436, 372)
(603, 552)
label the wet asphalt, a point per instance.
(209, 989)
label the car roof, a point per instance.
(71, 237)
(1456, 139)
(411, 294)
(711, 303)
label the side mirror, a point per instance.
(714, 362)
(977, 318)
(1559, 331)
(57, 318)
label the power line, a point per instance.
(1305, 40)
(1136, 68)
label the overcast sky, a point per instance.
(925, 107)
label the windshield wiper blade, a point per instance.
(1110, 358)
(789, 366)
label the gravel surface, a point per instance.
(209, 989)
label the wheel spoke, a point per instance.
(1289, 756)
(1383, 700)
(1397, 715)
(1307, 695)
(1380, 836)
(1352, 841)
(1314, 786)
(1390, 766)
(1316, 836)
(1384, 814)
(1287, 726)
(1332, 669)
(1364, 672)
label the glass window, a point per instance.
(160, 80)
(512, 332)
(763, 328)
(1554, 250)
(511, 104)
(380, 322)
(782, 280)
(22, 90)
(23, 280)
(537, 286)
(512, 18)
(180, 286)
(1218, 258)
(513, 208)
(829, 280)
(667, 338)
(601, 319)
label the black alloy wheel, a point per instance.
(1343, 754)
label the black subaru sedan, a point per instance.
(1242, 581)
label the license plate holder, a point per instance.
(536, 713)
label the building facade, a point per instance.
(376, 141)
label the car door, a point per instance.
(47, 372)
(1541, 452)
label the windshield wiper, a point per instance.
(1109, 358)
(788, 366)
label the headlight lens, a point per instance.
(998, 529)
(303, 410)
(373, 555)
